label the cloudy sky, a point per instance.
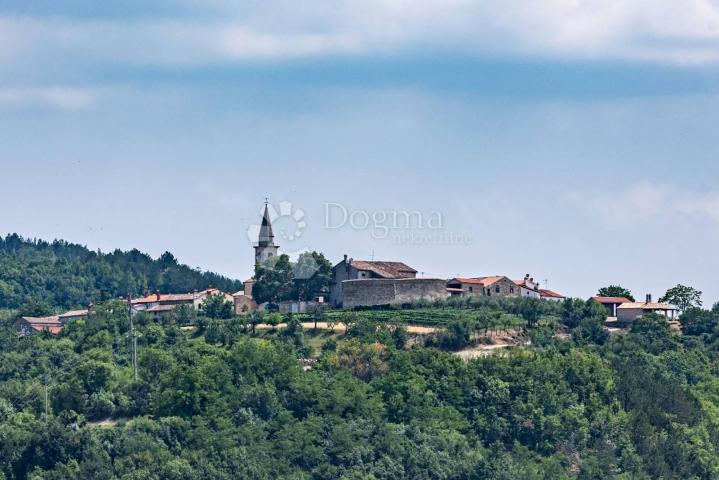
(577, 141)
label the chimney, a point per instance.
(649, 298)
(157, 295)
(345, 258)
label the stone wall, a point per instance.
(358, 293)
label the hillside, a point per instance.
(67, 275)
(222, 401)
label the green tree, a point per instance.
(696, 321)
(216, 306)
(683, 297)
(615, 291)
(274, 280)
(312, 275)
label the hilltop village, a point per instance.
(359, 284)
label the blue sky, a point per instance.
(576, 141)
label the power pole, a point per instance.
(133, 338)
(46, 407)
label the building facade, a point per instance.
(528, 288)
(349, 269)
(496, 285)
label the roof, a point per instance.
(52, 320)
(543, 292)
(484, 281)
(175, 297)
(52, 329)
(611, 299)
(160, 308)
(74, 313)
(384, 269)
(647, 306)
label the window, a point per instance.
(470, 289)
(269, 255)
(511, 289)
(496, 289)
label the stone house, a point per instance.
(161, 303)
(496, 285)
(349, 269)
(73, 315)
(28, 325)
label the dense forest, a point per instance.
(223, 400)
(38, 275)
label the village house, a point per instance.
(73, 315)
(528, 288)
(159, 303)
(28, 325)
(611, 304)
(550, 295)
(349, 269)
(243, 301)
(629, 311)
(496, 285)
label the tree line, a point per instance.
(40, 276)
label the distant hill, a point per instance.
(67, 275)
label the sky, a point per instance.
(577, 141)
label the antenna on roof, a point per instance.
(546, 284)
(372, 256)
(267, 200)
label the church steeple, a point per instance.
(266, 247)
(267, 238)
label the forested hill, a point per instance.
(67, 275)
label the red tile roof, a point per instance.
(484, 281)
(543, 292)
(40, 328)
(611, 299)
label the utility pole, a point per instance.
(133, 338)
(46, 407)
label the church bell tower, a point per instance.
(266, 247)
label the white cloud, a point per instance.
(57, 97)
(670, 31)
(646, 203)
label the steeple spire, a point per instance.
(266, 238)
(266, 247)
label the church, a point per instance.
(265, 249)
